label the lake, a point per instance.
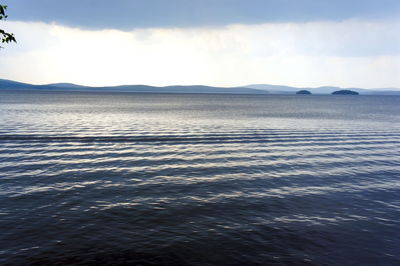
(184, 179)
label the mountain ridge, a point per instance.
(247, 89)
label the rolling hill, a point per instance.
(248, 89)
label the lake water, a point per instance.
(170, 179)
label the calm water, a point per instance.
(118, 178)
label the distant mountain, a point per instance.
(279, 89)
(249, 89)
(273, 88)
(66, 85)
(9, 84)
(13, 85)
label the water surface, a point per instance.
(170, 179)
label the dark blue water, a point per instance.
(152, 179)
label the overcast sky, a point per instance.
(349, 43)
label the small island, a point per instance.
(305, 92)
(345, 92)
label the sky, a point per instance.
(303, 43)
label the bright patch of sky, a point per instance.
(219, 42)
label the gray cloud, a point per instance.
(130, 14)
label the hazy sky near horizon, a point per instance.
(211, 42)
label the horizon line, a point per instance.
(203, 85)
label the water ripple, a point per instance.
(198, 180)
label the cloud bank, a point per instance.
(349, 53)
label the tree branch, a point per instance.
(5, 37)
